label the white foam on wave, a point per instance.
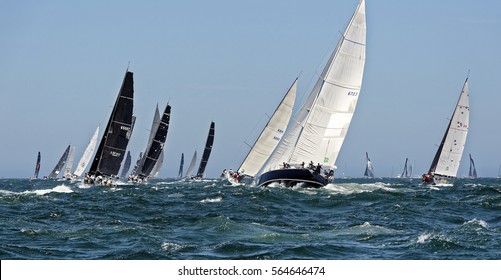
(58, 189)
(350, 188)
(481, 223)
(171, 247)
(423, 238)
(212, 200)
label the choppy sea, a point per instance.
(166, 219)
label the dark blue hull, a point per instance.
(292, 176)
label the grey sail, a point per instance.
(180, 173)
(60, 164)
(37, 166)
(473, 171)
(369, 172)
(126, 166)
(407, 170)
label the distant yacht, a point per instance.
(369, 171)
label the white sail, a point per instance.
(271, 134)
(319, 129)
(449, 155)
(189, 173)
(87, 155)
(69, 162)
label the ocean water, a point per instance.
(353, 219)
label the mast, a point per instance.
(60, 164)
(156, 145)
(113, 145)
(207, 151)
(37, 165)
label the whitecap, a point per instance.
(423, 238)
(212, 200)
(481, 223)
(58, 189)
(171, 247)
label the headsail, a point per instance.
(271, 134)
(113, 146)
(320, 127)
(207, 151)
(189, 173)
(448, 157)
(125, 168)
(369, 171)
(60, 164)
(472, 174)
(87, 155)
(69, 164)
(37, 165)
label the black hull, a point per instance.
(293, 176)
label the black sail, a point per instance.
(206, 154)
(156, 146)
(37, 166)
(116, 136)
(59, 166)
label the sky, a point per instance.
(231, 62)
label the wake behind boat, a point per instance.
(448, 157)
(319, 129)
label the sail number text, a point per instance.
(353, 93)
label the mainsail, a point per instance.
(113, 146)
(473, 171)
(207, 151)
(158, 166)
(87, 155)
(369, 171)
(37, 166)
(60, 164)
(180, 173)
(189, 173)
(319, 129)
(448, 157)
(155, 147)
(271, 134)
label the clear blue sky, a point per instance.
(62, 63)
